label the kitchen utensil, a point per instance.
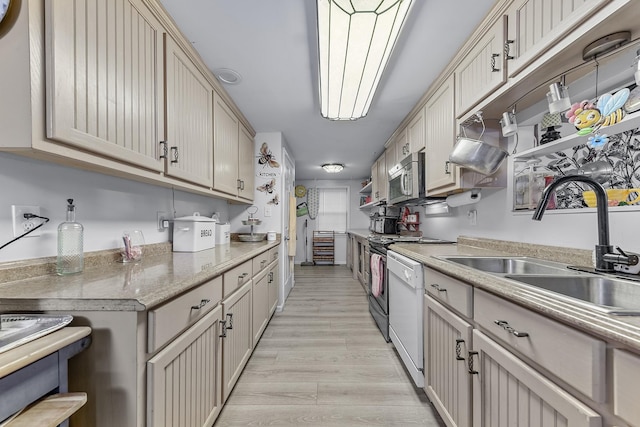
(477, 155)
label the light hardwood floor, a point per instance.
(323, 362)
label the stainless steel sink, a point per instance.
(18, 329)
(610, 295)
(510, 265)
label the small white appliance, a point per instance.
(406, 293)
(223, 234)
(193, 233)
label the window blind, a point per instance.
(332, 210)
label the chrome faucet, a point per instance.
(605, 257)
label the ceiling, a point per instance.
(272, 45)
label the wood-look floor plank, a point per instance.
(326, 416)
(323, 362)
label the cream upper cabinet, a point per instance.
(246, 161)
(482, 70)
(416, 133)
(534, 26)
(374, 182)
(401, 150)
(383, 177)
(225, 147)
(104, 79)
(189, 119)
(440, 128)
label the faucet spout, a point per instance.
(603, 247)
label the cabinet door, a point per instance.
(183, 380)
(375, 192)
(383, 177)
(246, 160)
(534, 26)
(440, 137)
(189, 119)
(225, 148)
(482, 70)
(105, 79)
(238, 343)
(416, 133)
(274, 280)
(260, 305)
(401, 149)
(447, 382)
(507, 392)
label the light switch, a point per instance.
(267, 211)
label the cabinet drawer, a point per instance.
(166, 321)
(449, 291)
(261, 261)
(273, 254)
(237, 277)
(572, 356)
(626, 386)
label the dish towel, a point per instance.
(377, 275)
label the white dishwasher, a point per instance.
(406, 293)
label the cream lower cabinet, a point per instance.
(260, 304)
(184, 387)
(237, 342)
(273, 283)
(492, 363)
(507, 392)
(447, 381)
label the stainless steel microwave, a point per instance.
(407, 179)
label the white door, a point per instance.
(287, 259)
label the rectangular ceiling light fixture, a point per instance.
(355, 40)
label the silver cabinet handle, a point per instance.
(223, 323)
(242, 276)
(470, 363)
(263, 262)
(493, 62)
(203, 302)
(174, 154)
(507, 50)
(459, 350)
(438, 288)
(230, 316)
(505, 325)
(238, 184)
(163, 149)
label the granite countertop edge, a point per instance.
(127, 287)
(623, 330)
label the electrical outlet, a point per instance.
(22, 224)
(161, 218)
(473, 217)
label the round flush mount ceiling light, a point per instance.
(333, 167)
(605, 44)
(228, 76)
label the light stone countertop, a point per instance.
(362, 233)
(619, 331)
(126, 287)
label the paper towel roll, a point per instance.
(465, 198)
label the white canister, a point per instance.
(223, 234)
(193, 233)
(271, 236)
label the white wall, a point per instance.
(105, 205)
(357, 219)
(574, 228)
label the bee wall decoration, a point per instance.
(274, 201)
(266, 157)
(588, 118)
(268, 186)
